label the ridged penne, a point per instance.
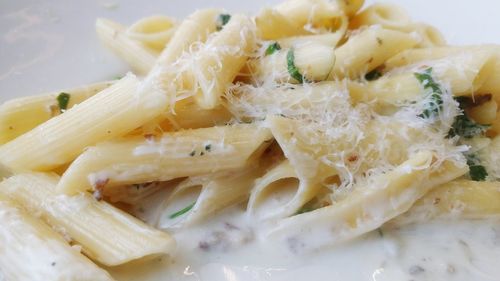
(459, 199)
(17, 116)
(153, 31)
(195, 28)
(314, 62)
(386, 15)
(31, 250)
(280, 193)
(173, 155)
(370, 204)
(110, 113)
(272, 25)
(136, 55)
(220, 59)
(207, 195)
(312, 14)
(369, 49)
(106, 234)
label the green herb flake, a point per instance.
(208, 147)
(292, 69)
(477, 172)
(182, 212)
(435, 104)
(273, 48)
(467, 128)
(63, 101)
(373, 75)
(192, 153)
(222, 20)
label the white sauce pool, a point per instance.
(228, 248)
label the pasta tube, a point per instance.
(113, 36)
(367, 50)
(111, 113)
(386, 15)
(105, 233)
(371, 204)
(154, 31)
(20, 115)
(304, 62)
(272, 25)
(31, 250)
(174, 155)
(456, 199)
(221, 59)
(207, 195)
(280, 193)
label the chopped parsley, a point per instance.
(208, 147)
(273, 48)
(222, 20)
(435, 103)
(467, 128)
(182, 211)
(63, 101)
(373, 75)
(477, 172)
(292, 69)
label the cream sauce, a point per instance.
(230, 247)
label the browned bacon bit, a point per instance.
(149, 137)
(99, 188)
(352, 158)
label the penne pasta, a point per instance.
(113, 36)
(367, 208)
(462, 199)
(31, 250)
(173, 155)
(20, 115)
(220, 60)
(154, 31)
(105, 233)
(272, 25)
(312, 61)
(207, 195)
(40, 149)
(367, 50)
(388, 16)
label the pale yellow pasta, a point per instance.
(327, 39)
(221, 59)
(351, 7)
(463, 199)
(314, 62)
(367, 50)
(172, 155)
(485, 113)
(31, 250)
(208, 195)
(113, 36)
(312, 14)
(272, 25)
(280, 193)
(106, 234)
(386, 15)
(372, 203)
(429, 35)
(464, 73)
(17, 116)
(153, 31)
(110, 113)
(195, 28)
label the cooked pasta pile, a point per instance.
(324, 119)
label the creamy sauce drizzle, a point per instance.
(229, 248)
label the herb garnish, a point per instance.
(273, 48)
(208, 147)
(477, 172)
(63, 101)
(435, 104)
(222, 20)
(182, 212)
(467, 128)
(373, 75)
(292, 69)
